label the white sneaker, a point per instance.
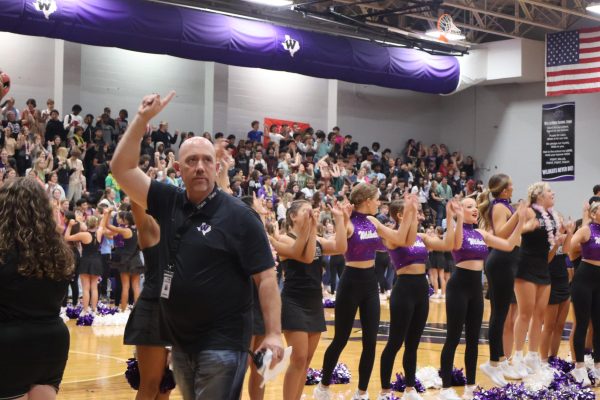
(519, 366)
(597, 374)
(412, 395)
(468, 394)
(494, 373)
(358, 396)
(581, 375)
(448, 394)
(509, 371)
(385, 396)
(532, 362)
(321, 392)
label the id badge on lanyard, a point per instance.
(166, 285)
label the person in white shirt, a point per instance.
(309, 190)
(258, 159)
(73, 120)
(273, 135)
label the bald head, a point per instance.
(198, 166)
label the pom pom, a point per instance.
(429, 377)
(132, 374)
(111, 318)
(399, 385)
(561, 365)
(341, 375)
(313, 376)
(431, 291)
(85, 320)
(103, 309)
(168, 381)
(458, 377)
(328, 303)
(73, 312)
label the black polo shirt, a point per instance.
(210, 301)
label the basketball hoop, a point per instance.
(447, 29)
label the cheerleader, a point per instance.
(302, 316)
(357, 289)
(498, 216)
(409, 301)
(126, 257)
(437, 262)
(464, 295)
(142, 330)
(90, 264)
(586, 291)
(532, 283)
(561, 272)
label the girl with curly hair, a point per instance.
(35, 267)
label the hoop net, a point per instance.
(446, 27)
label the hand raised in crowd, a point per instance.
(154, 104)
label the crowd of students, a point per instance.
(381, 220)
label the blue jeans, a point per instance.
(210, 374)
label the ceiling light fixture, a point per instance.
(272, 3)
(594, 8)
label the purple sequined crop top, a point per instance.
(473, 246)
(364, 241)
(404, 256)
(590, 250)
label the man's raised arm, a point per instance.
(124, 164)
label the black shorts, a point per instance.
(533, 269)
(302, 313)
(33, 353)
(142, 327)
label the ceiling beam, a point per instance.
(501, 15)
(562, 9)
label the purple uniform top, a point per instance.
(506, 203)
(473, 246)
(590, 250)
(404, 256)
(364, 241)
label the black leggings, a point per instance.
(382, 262)
(585, 294)
(464, 307)
(409, 307)
(357, 291)
(336, 267)
(499, 268)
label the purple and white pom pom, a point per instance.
(328, 303)
(85, 320)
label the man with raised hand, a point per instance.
(212, 245)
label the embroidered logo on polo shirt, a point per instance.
(291, 45)
(48, 7)
(204, 228)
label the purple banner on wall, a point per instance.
(182, 32)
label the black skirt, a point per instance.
(129, 264)
(142, 327)
(91, 265)
(302, 313)
(33, 353)
(450, 265)
(559, 280)
(533, 269)
(437, 260)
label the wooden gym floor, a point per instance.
(96, 365)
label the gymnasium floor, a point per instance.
(97, 359)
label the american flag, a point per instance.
(573, 62)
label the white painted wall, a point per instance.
(120, 78)
(501, 126)
(253, 94)
(391, 117)
(30, 64)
